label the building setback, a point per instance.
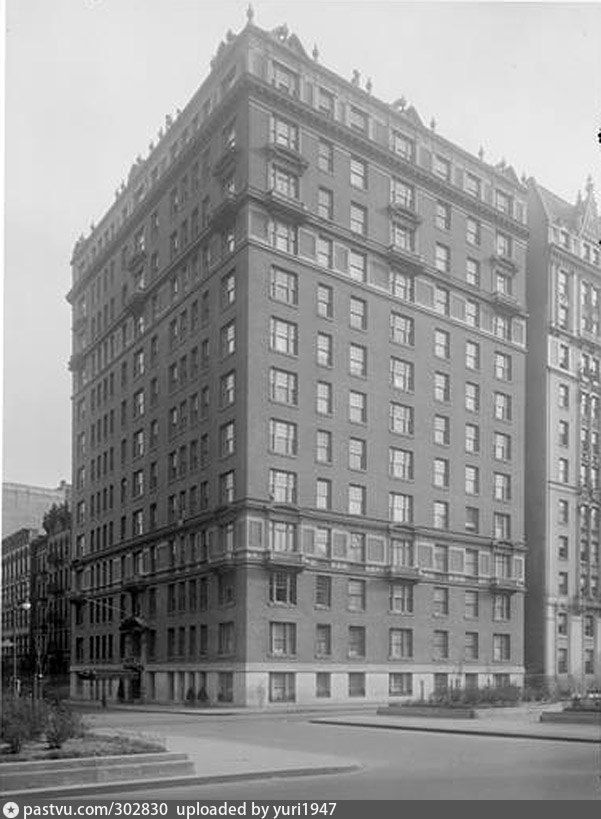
(563, 492)
(298, 376)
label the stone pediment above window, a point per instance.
(291, 209)
(505, 263)
(408, 260)
(505, 302)
(290, 157)
(402, 213)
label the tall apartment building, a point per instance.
(563, 460)
(298, 374)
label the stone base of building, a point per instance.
(267, 687)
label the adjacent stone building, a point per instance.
(563, 460)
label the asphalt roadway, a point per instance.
(393, 764)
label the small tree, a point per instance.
(62, 723)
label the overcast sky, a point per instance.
(88, 84)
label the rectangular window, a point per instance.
(403, 146)
(472, 480)
(284, 286)
(402, 374)
(356, 642)
(472, 397)
(400, 684)
(357, 266)
(282, 686)
(358, 313)
(282, 486)
(400, 507)
(400, 644)
(502, 367)
(443, 216)
(324, 398)
(357, 454)
(282, 639)
(356, 684)
(283, 337)
(402, 329)
(358, 173)
(282, 588)
(323, 640)
(401, 595)
(471, 649)
(400, 463)
(440, 601)
(325, 203)
(472, 355)
(282, 437)
(442, 258)
(325, 156)
(403, 236)
(442, 344)
(356, 595)
(402, 194)
(441, 473)
(357, 407)
(325, 349)
(471, 607)
(283, 387)
(323, 591)
(401, 419)
(325, 252)
(323, 452)
(323, 494)
(322, 684)
(441, 167)
(442, 387)
(357, 360)
(358, 219)
(440, 645)
(501, 647)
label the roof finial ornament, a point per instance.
(368, 85)
(356, 77)
(250, 14)
(433, 124)
(589, 187)
(168, 121)
(481, 154)
(315, 53)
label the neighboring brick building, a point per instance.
(50, 614)
(563, 459)
(299, 361)
(16, 605)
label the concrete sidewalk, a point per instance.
(521, 722)
(215, 761)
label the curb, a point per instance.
(150, 784)
(466, 731)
